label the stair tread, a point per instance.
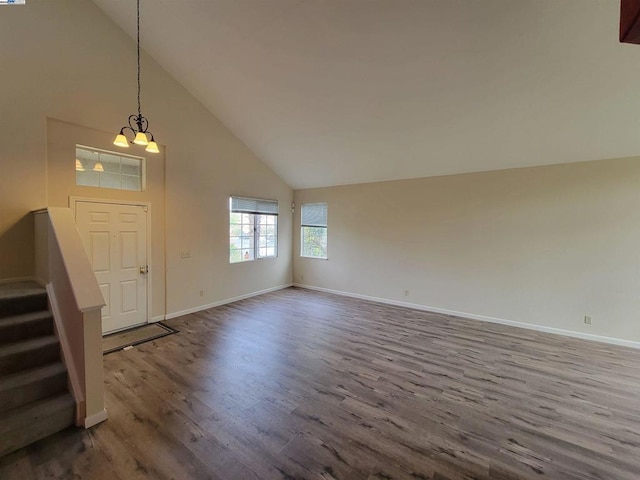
(19, 298)
(32, 412)
(25, 377)
(24, 318)
(26, 345)
(21, 289)
(34, 399)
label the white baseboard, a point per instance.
(199, 308)
(482, 318)
(95, 419)
(157, 318)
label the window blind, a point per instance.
(254, 205)
(314, 215)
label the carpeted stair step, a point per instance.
(28, 354)
(16, 305)
(25, 326)
(24, 425)
(31, 385)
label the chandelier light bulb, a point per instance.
(121, 141)
(152, 147)
(141, 139)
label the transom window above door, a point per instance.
(104, 169)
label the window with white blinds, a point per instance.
(254, 205)
(253, 229)
(313, 230)
(314, 215)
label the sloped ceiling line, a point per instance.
(330, 92)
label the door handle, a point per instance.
(144, 269)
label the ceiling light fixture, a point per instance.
(79, 166)
(98, 167)
(138, 124)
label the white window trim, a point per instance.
(325, 226)
(256, 236)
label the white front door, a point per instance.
(115, 237)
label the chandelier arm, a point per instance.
(124, 129)
(138, 123)
(133, 121)
(143, 124)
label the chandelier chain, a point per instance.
(138, 15)
(138, 125)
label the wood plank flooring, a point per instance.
(304, 385)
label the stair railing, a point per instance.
(76, 303)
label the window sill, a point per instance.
(254, 260)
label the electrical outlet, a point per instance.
(185, 254)
(202, 293)
(301, 277)
(587, 320)
(406, 293)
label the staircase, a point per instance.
(34, 399)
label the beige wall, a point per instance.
(62, 138)
(544, 246)
(65, 60)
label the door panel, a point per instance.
(129, 296)
(99, 251)
(115, 237)
(129, 250)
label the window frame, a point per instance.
(81, 164)
(304, 226)
(255, 215)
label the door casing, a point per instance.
(73, 201)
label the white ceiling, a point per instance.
(332, 92)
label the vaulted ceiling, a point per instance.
(332, 92)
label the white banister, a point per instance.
(84, 285)
(76, 300)
(77, 386)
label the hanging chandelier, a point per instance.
(138, 124)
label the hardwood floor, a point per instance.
(304, 385)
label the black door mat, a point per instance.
(135, 336)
